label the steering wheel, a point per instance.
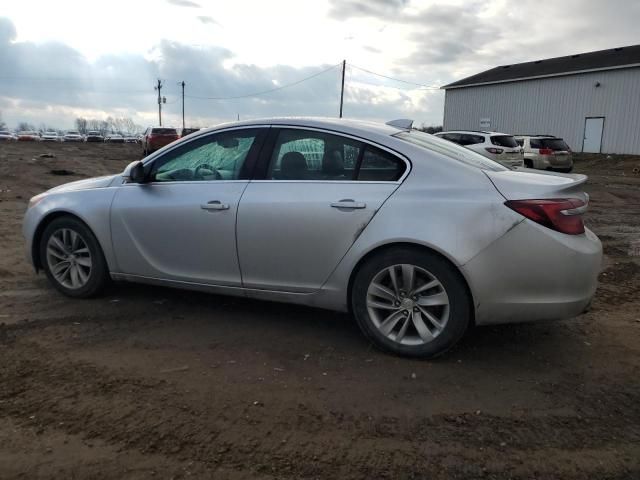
(215, 172)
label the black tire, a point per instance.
(528, 163)
(460, 304)
(98, 276)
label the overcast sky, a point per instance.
(62, 59)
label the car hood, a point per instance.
(97, 182)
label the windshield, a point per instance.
(504, 141)
(71, 132)
(449, 149)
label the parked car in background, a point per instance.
(130, 139)
(497, 146)
(340, 214)
(114, 138)
(546, 152)
(28, 136)
(154, 138)
(94, 136)
(50, 136)
(183, 132)
(7, 136)
(72, 136)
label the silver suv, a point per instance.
(500, 147)
(546, 152)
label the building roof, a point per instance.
(613, 58)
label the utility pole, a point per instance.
(344, 64)
(159, 88)
(182, 103)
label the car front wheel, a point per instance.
(72, 258)
(411, 303)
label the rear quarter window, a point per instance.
(380, 166)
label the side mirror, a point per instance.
(134, 173)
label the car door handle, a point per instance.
(215, 205)
(348, 203)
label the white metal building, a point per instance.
(592, 100)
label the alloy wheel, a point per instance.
(69, 258)
(408, 304)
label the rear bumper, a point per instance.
(551, 162)
(534, 273)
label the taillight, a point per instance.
(560, 214)
(546, 151)
(495, 151)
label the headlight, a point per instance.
(35, 200)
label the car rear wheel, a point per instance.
(72, 258)
(411, 303)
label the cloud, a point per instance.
(52, 80)
(449, 32)
(424, 42)
(345, 9)
(7, 31)
(184, 3)
(207, 20)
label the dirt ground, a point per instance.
(148, 382)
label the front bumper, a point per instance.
(534, 273)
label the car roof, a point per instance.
(485, 132)
(540, 135)
(342, 125)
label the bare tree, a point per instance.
(2, 124)
(129, 126)
(81, 125)
(26, 127)
(46, 128)
(124, 125)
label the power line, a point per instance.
(431, 87)
(255, 94)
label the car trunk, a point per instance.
(518, 185)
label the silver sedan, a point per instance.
(419, 238)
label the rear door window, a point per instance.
(310, 155)
(535, 143)
(506, 141)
